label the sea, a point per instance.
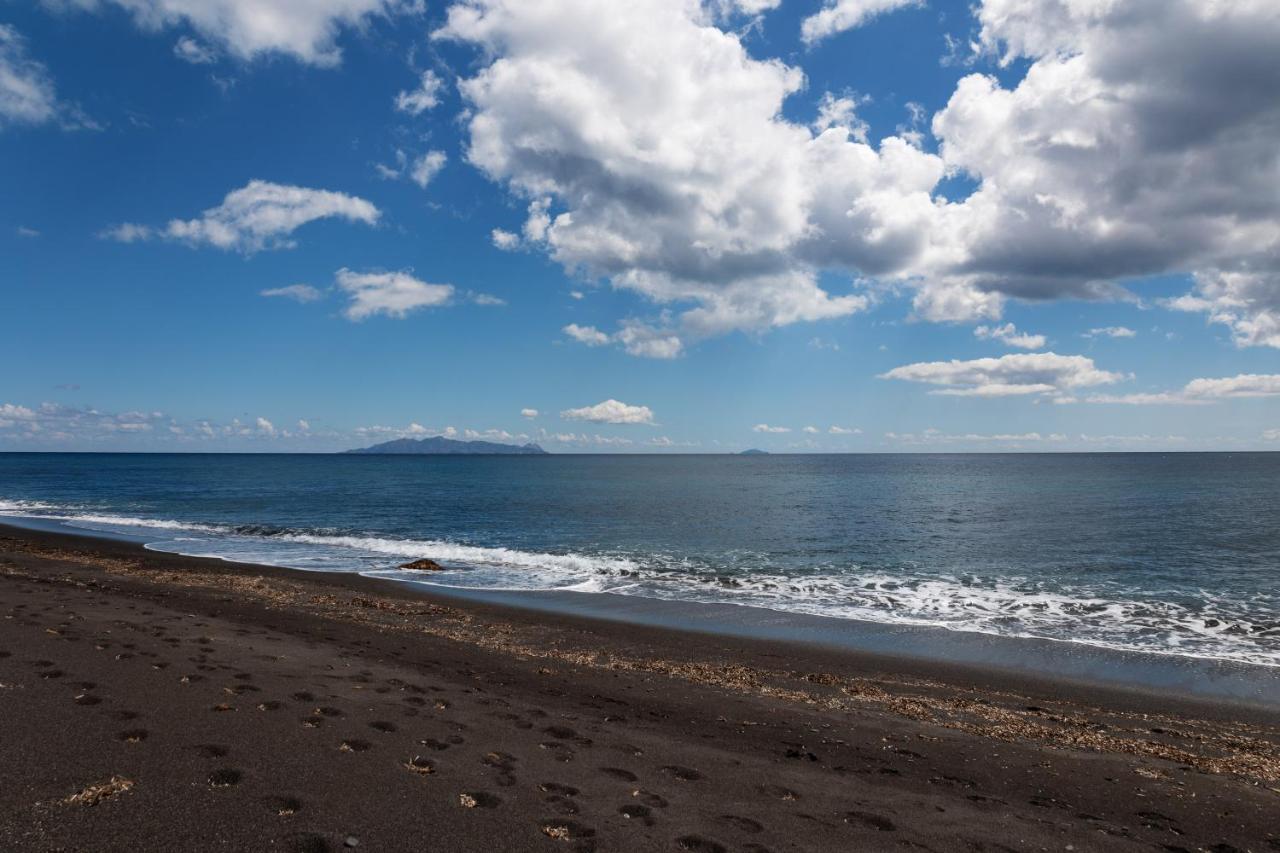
(1160, 554)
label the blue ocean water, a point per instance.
(1169, 553)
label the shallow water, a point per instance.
(1174, 554)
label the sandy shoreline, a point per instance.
(244, 707)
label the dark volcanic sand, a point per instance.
(249, 708)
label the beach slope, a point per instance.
(158, 702)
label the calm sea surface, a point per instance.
(1176, 554)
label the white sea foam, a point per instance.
(1199, 625)
(472, 555)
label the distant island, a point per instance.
(753, 452)
(440, 446)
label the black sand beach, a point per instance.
(158, 702)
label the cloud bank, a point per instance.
(1106, 162)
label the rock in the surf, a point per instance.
(423, 565)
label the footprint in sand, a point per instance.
(779, 792)
(558, 750)
(566, 830)
(225, 778)
(619, 773)
(383, 726)
(478, 800)
(684, 774)
(355, 746)
(132, 735)
(310, 843)
(561, 732)
(637, 812)
(562, 805)
(870, 820)
(745, 824)
(211, 750)
(284, 806)
(650, 799)
(698, 844)
(500, 760)
(559, 789)
(421, 766)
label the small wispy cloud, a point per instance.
(1110, 332)
(296, 292)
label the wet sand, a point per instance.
(158, 702)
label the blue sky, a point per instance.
(717, 225)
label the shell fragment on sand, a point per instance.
(94, 794)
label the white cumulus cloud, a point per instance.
(770, 429)
(696, 195)
(260, 215)
(836, 16)
(1199, 391)
(393, 294)
(1009, 334)
(610, 412)
(424, 97)
(507, 241)
(654, 151)
(306, 30)
(1118, 154)
(529, 413)
(189, 50)
(427, 167)
(27, 92)
(1246, 301)
(589, 335)
(1009, 375)
(26, 89)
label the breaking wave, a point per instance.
(1194, 623)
